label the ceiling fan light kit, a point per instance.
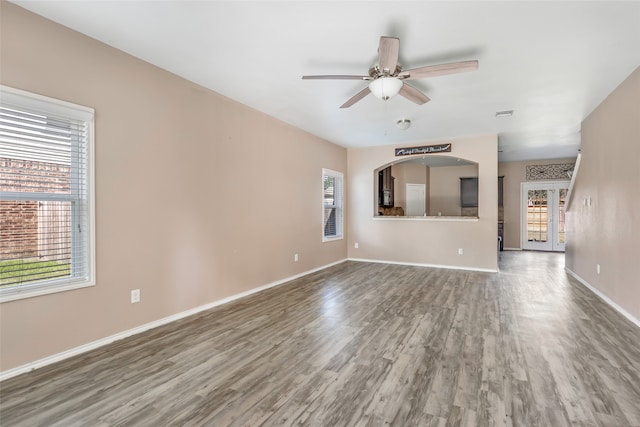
(385, 87)
(387, 79)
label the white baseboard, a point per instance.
(511, 249)
(606, 299)
(415, 264)
(142, 328)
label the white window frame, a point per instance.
(338, 205)
(44, 104)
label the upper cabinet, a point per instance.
(469, 192)
(385, 187)
(469, 196)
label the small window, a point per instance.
(332, 214)
(46, 195)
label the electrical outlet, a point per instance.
(295, 257)
(135, 296)
(460, 251)
(356, 245)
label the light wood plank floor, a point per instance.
(363, 344)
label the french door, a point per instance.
(543, 205)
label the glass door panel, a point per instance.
(559, 226)
(537, 219)
(537, 215)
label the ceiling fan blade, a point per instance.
(413, 94)
(388, 50)
(357, 97)
(337, 77)
(439, 70)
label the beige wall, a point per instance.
(194, 195)
(607, 232)
(515, 173)
(408, 173)
(445, 188)
(424, 241)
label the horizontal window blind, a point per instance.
(44, 195)
(332, 204)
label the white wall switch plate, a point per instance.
(135, 296)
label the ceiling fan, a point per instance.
(386, 77)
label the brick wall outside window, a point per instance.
(32, 228)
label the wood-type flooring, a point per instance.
(362, 344)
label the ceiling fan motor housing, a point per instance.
(376, 72)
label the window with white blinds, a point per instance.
(46, 195)
(332, 195)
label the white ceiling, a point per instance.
(551, 62)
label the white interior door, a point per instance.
(543, 206)
(415, 197)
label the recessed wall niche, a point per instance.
(422, 186)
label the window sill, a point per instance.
(331, 239)
(8, 295)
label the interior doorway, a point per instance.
(415, 196)
(543, 215)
